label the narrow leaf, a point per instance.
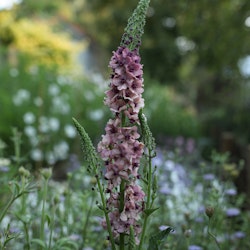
(150, 211)
(39, 242)
(156, 240)
(147, 136)
(48, 219)
(131, 242)
(88, 149)
(64, 242)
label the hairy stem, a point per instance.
(85, 229)
(121, 207)
(13, 198)
(148, 203)
(111, 238)
(45, 190)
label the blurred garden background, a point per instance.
(54, 59)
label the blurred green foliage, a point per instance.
(190, 52)
(169, 113)
(194, 46)
(41, 103)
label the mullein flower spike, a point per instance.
(120, 147)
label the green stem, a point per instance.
(122, 191)
(27, 236)
(23, 198)
(13, 198)
(17, 143)
(122, 241)
(67, 207)
(143, 231)
(121, 207)
(212, 235)
(148, 203)
(52, 223)
(111, 238)
(149, 182)
(85, 228)
(45, 190)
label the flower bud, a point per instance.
(46, 173)
(24, 172)
(209, 212)
(188, 233)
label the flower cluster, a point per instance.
(120, 148)
(126, 84)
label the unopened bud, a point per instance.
(188, 233)
(46, 173)
(24, 172)
(209, 212)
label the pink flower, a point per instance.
(126, 84)
(120, 147)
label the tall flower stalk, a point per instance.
(122, 146)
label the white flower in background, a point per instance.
(168, 22)
(65, 109)
(54, 90)
(38, 101)
(96, 115)
(70, 131)
(36, 154)
(48, 124)
(60, 105)
(99, 81)
(30, 131)
(57, 102)
(54, 124)
(61, 150)
(32, 199)
(34, 141)
(50, 157)
(21, 96)
(4, 162)
(89, 96)
(29, 118)
(43, 124)
(184, 44)
(14, 72)
(62, 80)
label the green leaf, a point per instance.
(88, 149)
(64, 242)
(150, 211)
(100, 207)
(38, 242)
(144, 180)
(131, 242)
(147, 136)
(16, 188)
(10, 237)
(156, 240)
(48, 219)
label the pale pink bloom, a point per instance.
(120, 147)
